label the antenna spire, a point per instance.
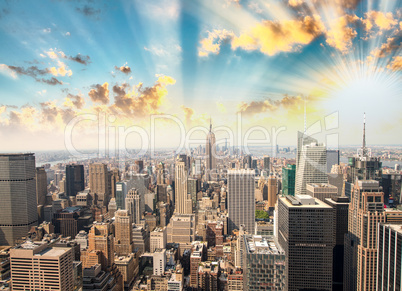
(210, 124)
(364, 135)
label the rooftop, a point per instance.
(257, 244)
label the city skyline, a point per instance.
(193, 60)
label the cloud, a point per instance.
(381, 20)
(393, 45)
(67, 33)
(255, 107)
(395, 64)
(342, 32)
(100, 93)
(212, 43)
(269, 37)
(124, 69)
(88, 11)
(61, 70)
(141, 101)
(221, 107)
(83, 60)
(32, 71)
(5, 70)
(47, 30)
(188, 114)
(52, 81)
(295, 3)
(76, 101)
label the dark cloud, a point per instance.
(255, 107)
(84, 60)
(77, 100)
(88, 10)
(100, 93)
(35, 72)
(123, 69)
(48, 112)
(391, 47)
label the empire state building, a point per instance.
(210, 166)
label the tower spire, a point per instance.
(364, 151)
(305, 116)
(210, 124)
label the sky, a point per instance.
(138, 73)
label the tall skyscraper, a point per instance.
(40, 267)
(305, 232)
(241, 199)
(288, 180)
(41, 185)
(272, 191)
(99, 181)
(366, 210)
(363, 166)
(311, 163)
(123, 233)
(74, 179)
(183, 202)
(18, 211)
(267, 164)
(389, 257)
(332, 159)
(210, 165)
(133, 205)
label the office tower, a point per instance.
(208, 273)
(18, 211)
(198, 168)
(192, 189)
(305, 233)
(272, 191)
(241, 199)
(128, 267)
(65, 221)
(196, 257)
(121, 194)
(181, 229)
(332, 159)
(141, 239)
(139, 166)
(99, 181)
(335, 178)
(254, 164)
(363, 166)
(341, 210)
(288, 180)
(140, 182)
(159, 262)
(391, 184)
(112, 207)
(94, 278)
(41, 186)
(210, 163)
(123, 233)
(158, 239)
(366, 210)
(115, 178)
(267, 165)
(311, 163)
(160, 174)
(183, 204)
(133, 205)
(75, 181)
(389, 257)
(264, 263)
(36, 266)
(161, 193)
(321, 190)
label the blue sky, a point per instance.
(196, 60)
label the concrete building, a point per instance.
(272, 191)
(183, 202)
(133, 205)
(18, 211)
(99, 183)
(181, 229)
(128, 267)
(141, 239)
(264, 263)
(267, 164)
(75, 181)
(41, 185)
(158, 239)
(40, 267)
(321, 190)
(210, 151)
(123, 233)
(159, 262)
(241, 199)
(389, 245)
(311, 163)
(305, 233)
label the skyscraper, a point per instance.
(311, 163)
(40, 267)
(267, 166)
(272, 191)
(183, 202)
(133, 205)
(99, 181)
(305, 232)
(41, 185)
(289, 180)
(210, 165)
(74, 179)
(123, 233)
(18, 211)
(332, 159)
(241, 199)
